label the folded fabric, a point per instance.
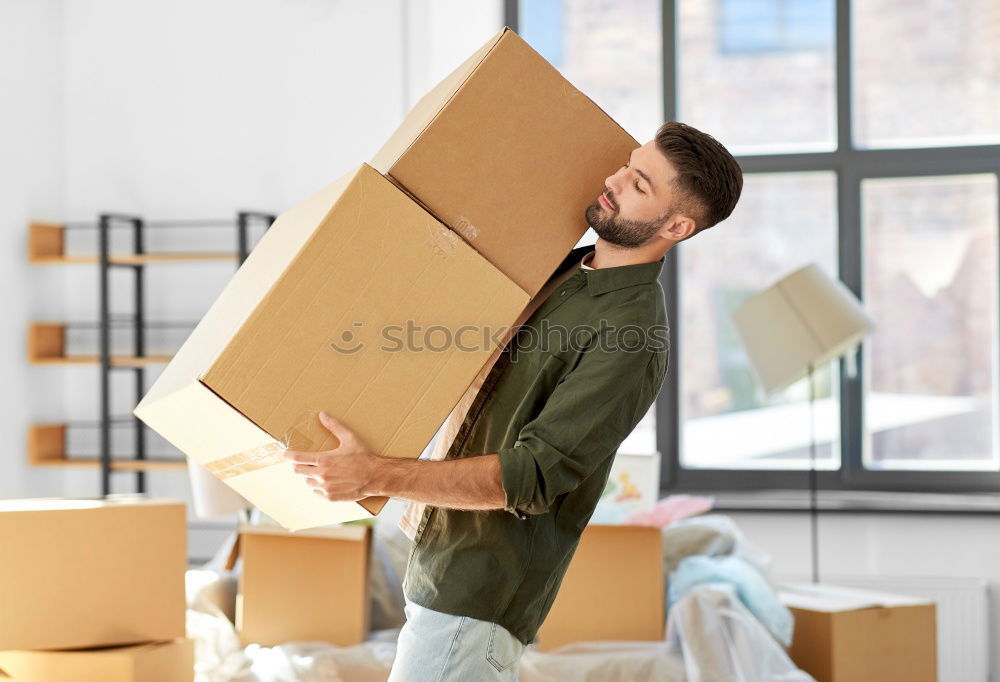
(670, 509)
(725, 538)
(719, 639)
(680, 542)
(752, 588)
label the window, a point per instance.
(927, 73)
(759, 26)
(766, 100)
(724, 422)
(930, 390)
(864, 150)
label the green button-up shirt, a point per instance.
(565, 392)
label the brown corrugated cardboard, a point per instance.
(86, 573)
(317, 319)
(509, 154)
(305, 586)
(151, 662)
(845, 634)
(612, 590)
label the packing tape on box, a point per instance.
(268, 454)
(440, 239)
(249, 460)
(465, 228)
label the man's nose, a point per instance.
(613, 181)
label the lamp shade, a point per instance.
(805, 319)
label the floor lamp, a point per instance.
(803, 321)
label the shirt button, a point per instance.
(562, 293)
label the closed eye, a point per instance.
(636, 183)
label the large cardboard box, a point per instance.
(151, 662)
(357, 302)
(612, 590)
(846, 634)
(86, 573)
(508, 153)
(306, 586)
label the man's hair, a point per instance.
(709, 179)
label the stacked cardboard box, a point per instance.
(152, 662)
(93, 590)
(379, 298)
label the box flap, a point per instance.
(353, 532)
(834, 598)
(39, 504)
(209, 430)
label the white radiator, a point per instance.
(963, 618)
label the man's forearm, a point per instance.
(465, 483)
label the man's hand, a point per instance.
(342, 474)
(351, 471)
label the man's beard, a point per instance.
(619, 231)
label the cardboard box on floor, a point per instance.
(306, 586)
(151, 662)
(612, 590)
(509, 154)
(846, 634)
(87, 573)
(354, 302)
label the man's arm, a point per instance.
(465, 483)
(351, 472)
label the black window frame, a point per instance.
(852, 166)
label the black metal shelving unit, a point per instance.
(137, 262)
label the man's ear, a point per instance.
(678, 227)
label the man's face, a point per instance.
(637, 199)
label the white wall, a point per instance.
(32, 184)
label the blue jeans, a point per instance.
(440, 647)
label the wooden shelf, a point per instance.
(47, 448)
(116, 360)
(47, 346)
(47, 246)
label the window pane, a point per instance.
(758, 74)
(642, 440)
(926, 73)
(609, 49)
(930, 273)
(783, 221)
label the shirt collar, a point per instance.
(602, 280)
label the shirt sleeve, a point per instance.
(593, 408)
